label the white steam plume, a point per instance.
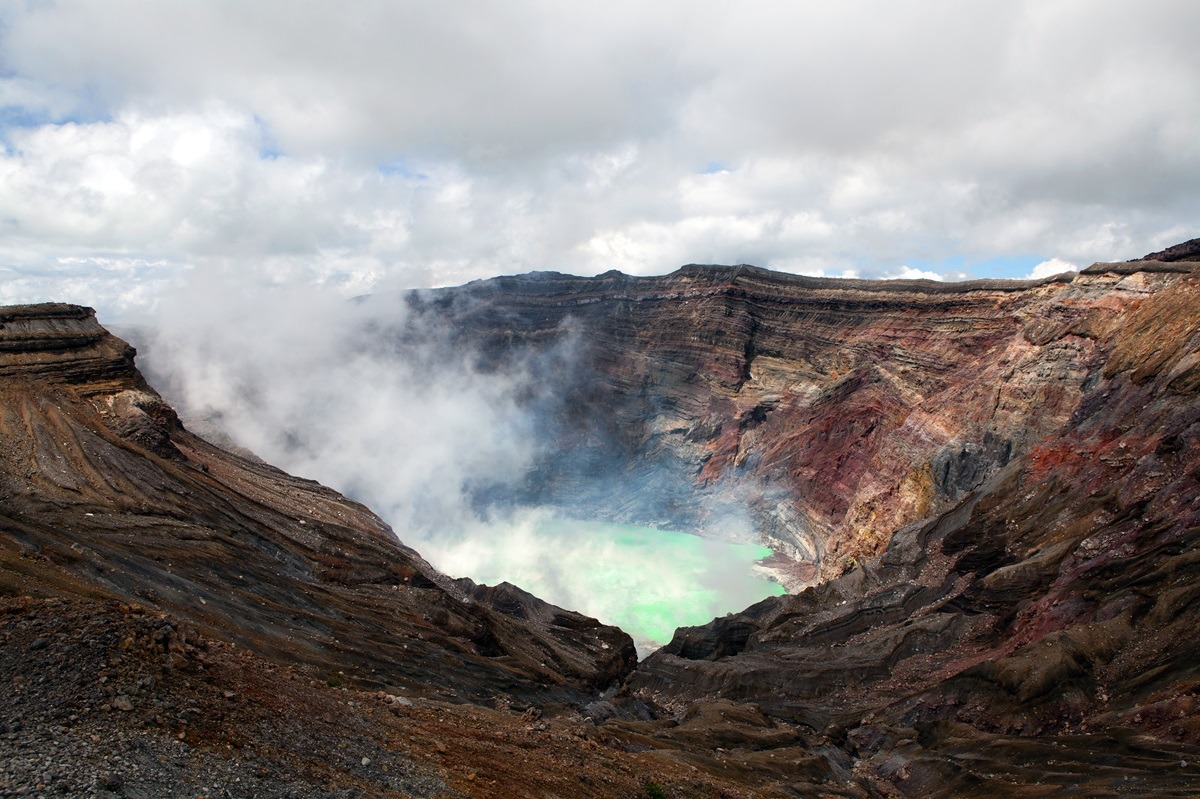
(380, 404)
(325, 387)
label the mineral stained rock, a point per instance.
(834, 411)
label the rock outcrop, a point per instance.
(1186, 251)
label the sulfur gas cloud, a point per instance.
(364, 397)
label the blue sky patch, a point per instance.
(268, 147)
(401, 168)
(1004, 266)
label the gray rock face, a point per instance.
(962, 468)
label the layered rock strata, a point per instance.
(1000, 479)
(104, 494)
(834, 411)
(1036, 635)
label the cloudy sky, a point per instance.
(387, 144)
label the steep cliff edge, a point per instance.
(1036, 636)
(104, 494)
(834, 411)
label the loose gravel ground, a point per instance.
(102, 699)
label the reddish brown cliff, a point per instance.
(1035, 636)
(836, 410)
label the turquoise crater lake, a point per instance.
(646, 581)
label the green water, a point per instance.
(645, 581)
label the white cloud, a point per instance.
(412, 144)
(1054, 266)
(909, 273)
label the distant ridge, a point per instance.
(1185, 251)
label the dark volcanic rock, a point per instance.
(227, 723)
(1187, 251)
(1038, 633)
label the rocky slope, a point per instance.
(104, 494)
(1038, 632)
(998, 479)
(109, 699)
